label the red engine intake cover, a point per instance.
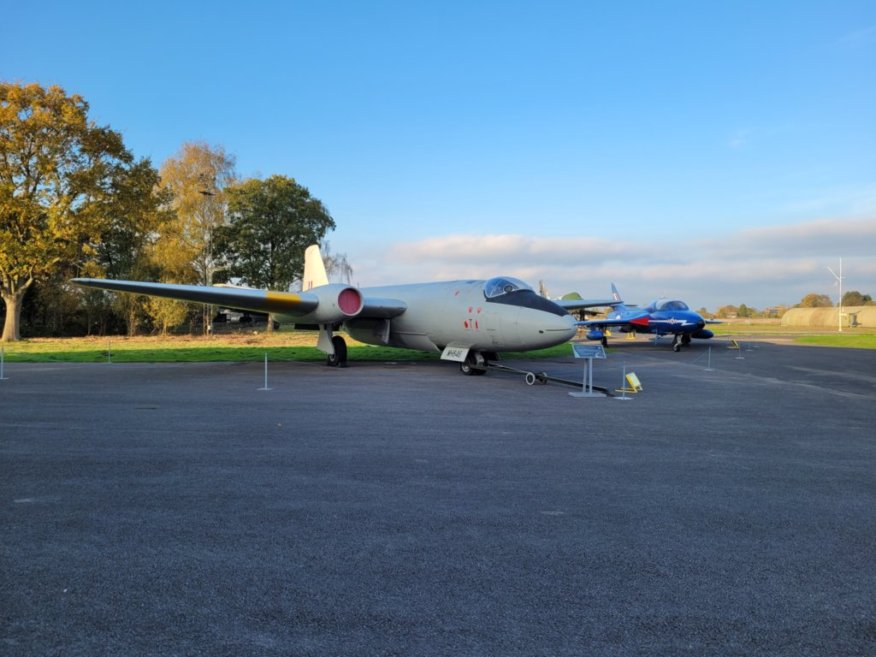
(350, 301)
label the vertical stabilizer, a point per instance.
(314, 269)
(618, 300)
(615, 294)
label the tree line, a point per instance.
(74, 201)
(811, 300)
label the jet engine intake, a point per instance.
(336, 303)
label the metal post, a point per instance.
(839, 306)
(2, 359)
(590, 376)
(623, 396)
(266, 373)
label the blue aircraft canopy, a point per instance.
(501, 285)
(670, 304)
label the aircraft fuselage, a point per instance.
(458, 313)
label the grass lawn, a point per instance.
(282, 345)
(857, 338)
(290, 345)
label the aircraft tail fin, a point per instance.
(314, 269)
(615, 294)
(618, 299)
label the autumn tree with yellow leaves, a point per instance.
(63, 182)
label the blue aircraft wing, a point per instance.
(620, 316)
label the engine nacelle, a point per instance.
(335, 303)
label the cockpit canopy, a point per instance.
(505, 290)
(502, 285)
(669, 304)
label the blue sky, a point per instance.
(718, 152)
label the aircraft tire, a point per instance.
(472, 365)
(339, 358)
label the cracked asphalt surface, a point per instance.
(405, 509)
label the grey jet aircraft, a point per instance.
(467, 321)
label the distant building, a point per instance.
(853, 317)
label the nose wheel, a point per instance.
(474, 364)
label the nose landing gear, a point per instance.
(474, 364)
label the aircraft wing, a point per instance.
(629, 321)
(578, 304)
(328, 303)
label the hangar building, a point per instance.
(853, 316)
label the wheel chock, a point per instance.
(631, 384)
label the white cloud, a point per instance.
(759, 267)
(826, 237)
(513, 249)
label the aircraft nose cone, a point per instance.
(562, 328)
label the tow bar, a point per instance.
(531, 378)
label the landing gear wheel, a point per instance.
(473, 365)
(339, 358)
(530, 378)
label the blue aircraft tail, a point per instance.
(619, 304)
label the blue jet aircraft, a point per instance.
(661, 317)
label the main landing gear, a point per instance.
(339, 358)
(679, 340)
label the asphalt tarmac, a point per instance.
(406, 509)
